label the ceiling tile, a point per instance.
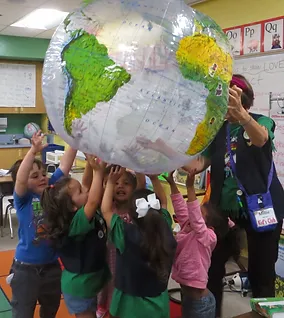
(46, 34)
(11, 13)
(27, 3)
(20, 31)
(64, 5)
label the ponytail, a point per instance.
(155, 244)
(57, 208)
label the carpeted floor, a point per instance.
(6, 258)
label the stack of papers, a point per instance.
(3, 172)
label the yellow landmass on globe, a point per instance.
(201, 59)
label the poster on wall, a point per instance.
(252, 39)
(279, 269)
(277, 106)
(258, 37)
(273, 35)
(235, 38)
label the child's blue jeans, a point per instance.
(198, 308)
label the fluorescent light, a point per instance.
(43, 19)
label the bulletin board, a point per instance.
(259, 56)
(20, 87)
(258, 37)
(266, 75)
(17, 85)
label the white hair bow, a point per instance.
(144, 205)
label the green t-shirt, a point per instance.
(83, 285)
(228, 200)
(127, 306)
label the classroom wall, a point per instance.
(230, 13)
(16, 123)
(226, 12)
(21, 48)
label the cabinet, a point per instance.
(8, 156)
(40, 108)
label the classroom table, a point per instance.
(251, 314)
(6, 188)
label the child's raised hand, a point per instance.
(170, 177)
(144, 142)
(190, 179)
(115, 173)
(37, 142)
(95, 162)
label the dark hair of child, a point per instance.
(58, 211)
(130, 176)
(154, 230)
(15, 168)
(247, 94)
(219, 222)
(216, 220)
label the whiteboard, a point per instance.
(266, 74)
(17, 85)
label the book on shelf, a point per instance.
(268, 307)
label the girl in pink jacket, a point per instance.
(200, 226)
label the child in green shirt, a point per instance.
(145, 252)
(78, 231)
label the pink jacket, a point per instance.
(195, 244)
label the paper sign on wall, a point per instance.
(273, 35)
(17, 85)
(277, 107)
(252, 39)
(235, 38)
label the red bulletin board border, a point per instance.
(263, 22)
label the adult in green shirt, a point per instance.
(145, 253)
(79, 232)
(249, 139)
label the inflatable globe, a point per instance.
(30, 129)
(143, 84)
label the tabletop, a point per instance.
(251, 314)
(5, 179)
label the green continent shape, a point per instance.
(93, 76)
(194, 56)
(196, 74)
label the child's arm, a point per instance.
(106, 207)
(21, 184)
(191, 196)
(96, 191)
(141, 181)
(180, 207)
(197, 165)
(158, 145)
(159, 190)
(87, 177)
(204, 235)
(67, 160)
(171, 182)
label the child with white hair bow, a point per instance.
(145, 253)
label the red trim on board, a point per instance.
(262, 37)
(262, 24)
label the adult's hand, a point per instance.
(236, 111)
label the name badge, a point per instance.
(265, 217)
